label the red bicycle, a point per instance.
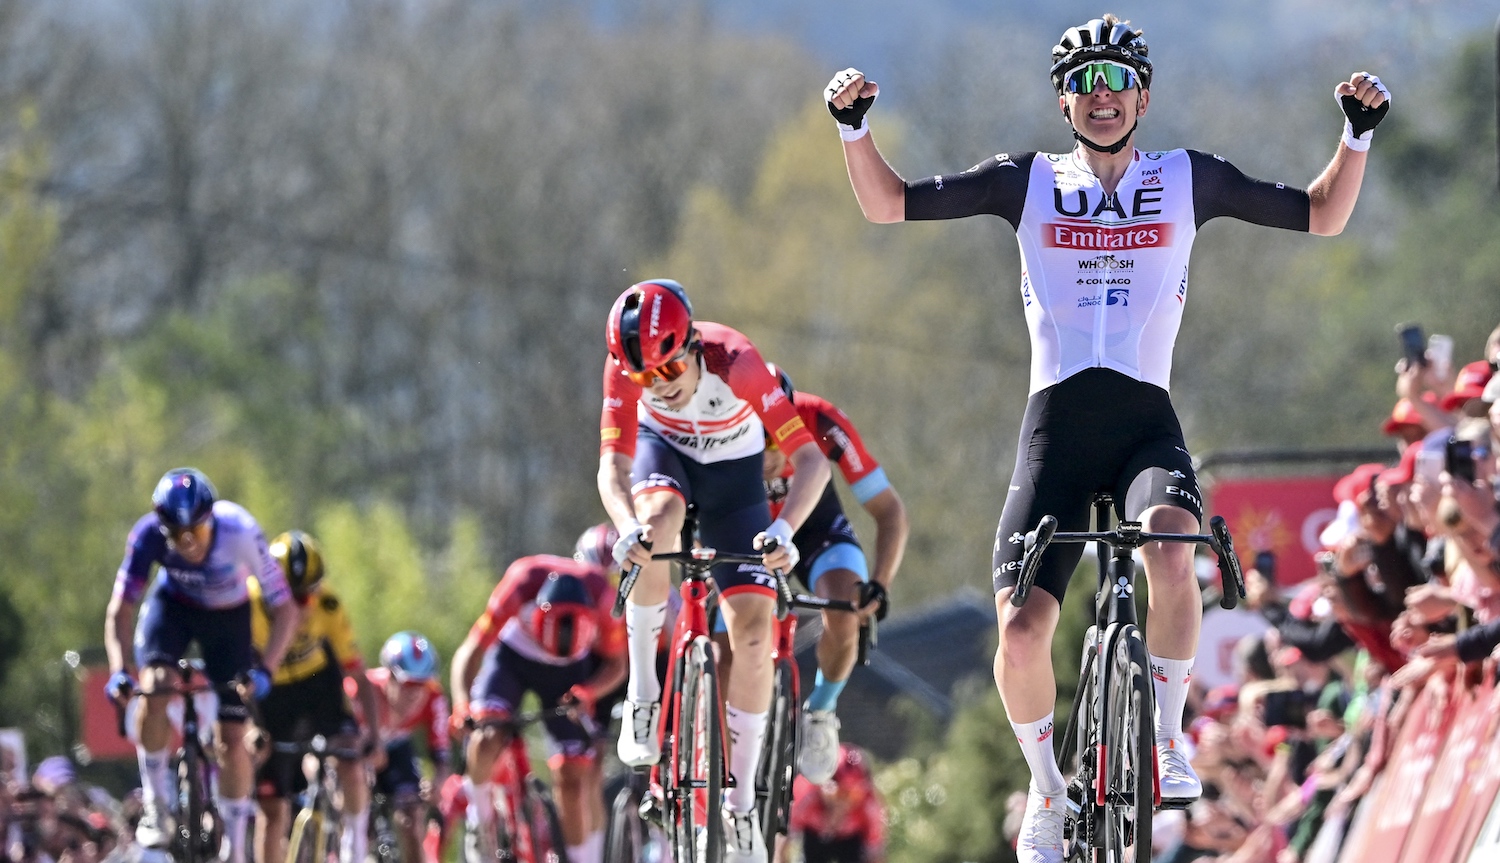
(687, 784)
(527, 827)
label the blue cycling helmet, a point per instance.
(410, 657)
(183, 498)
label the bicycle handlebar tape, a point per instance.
(626, 584)
(1230, 576)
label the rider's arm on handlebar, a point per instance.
(812, 473)
(285, 618)
(462, 671)
(891, 531)
(118, 622)
(367, 703)
(614, 487)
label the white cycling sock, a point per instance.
(354, 839)
(1036, 745)
(643, 626)
(747, 734)
(481, 802)
(1169, 678)
(236, 814)
(156, 776)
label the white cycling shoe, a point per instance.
(1179, 784)
(156, 827)
(1041, 836)
(743, 841)
(639, 745)
(819, 756)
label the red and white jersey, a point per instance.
(736, 401)
(515, 597)
(839, 440)
(429, 713)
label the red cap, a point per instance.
(1221, 701)
(1405, 414)
(1402, 473)
(1350, 486)
(1470, 385)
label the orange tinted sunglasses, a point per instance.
(668, 371)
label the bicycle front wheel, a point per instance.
(778, 763)
(625, 838)
(542, 821)
(697, 760)
(1130, 763)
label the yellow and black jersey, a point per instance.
(324, 622)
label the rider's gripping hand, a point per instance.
(582, 697)
(873, 592)
(784, 556)
(120, 685)
(259, 681)
(458, 722)
(1365, 102)
(633, 547)
(849, 96)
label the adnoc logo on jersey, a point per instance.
(1064, 236)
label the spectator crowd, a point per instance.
(1408, 590)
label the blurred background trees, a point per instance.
(352, 259)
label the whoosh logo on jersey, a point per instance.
(1064, 236)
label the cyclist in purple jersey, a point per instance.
(1105, 233)
(205, 549)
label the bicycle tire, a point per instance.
(1078, 742)
(778, 763)
(1130, 770)
(199, 830)
(625, 834)
(300, 848)
(698, 760)
(385, 839)
(544, 824)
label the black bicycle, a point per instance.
(199, 829)
(778, 761)
(1110, 731)
(316, 828)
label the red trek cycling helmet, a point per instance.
(562, 622)
(649, 326)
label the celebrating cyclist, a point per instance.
(409, 698)
(832, 563)
(547, 629)
(207, 551)
(1105, 232)
(687, 411)
(307, 700)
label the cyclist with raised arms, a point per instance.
(1105, 232)
(206, 550)
(687, 410)
(547, 629)
(832, 563)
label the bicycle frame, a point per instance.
(1114, 620)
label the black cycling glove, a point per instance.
(1362, 119)
(853, 115)
(874, 591)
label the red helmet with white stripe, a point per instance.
(649, 325)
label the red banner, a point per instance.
(1483, 779)
(1412, 760)
(1282, 515)
(1437, 834)
(101, 729)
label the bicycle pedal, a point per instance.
(650, 811)
(1177, 803)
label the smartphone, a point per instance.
(1265, 564)
(1440, 354)
(1286, 707)
(1413, 345)
(1458, 459)
(1429, 466)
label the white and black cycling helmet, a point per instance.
(1106, 38)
